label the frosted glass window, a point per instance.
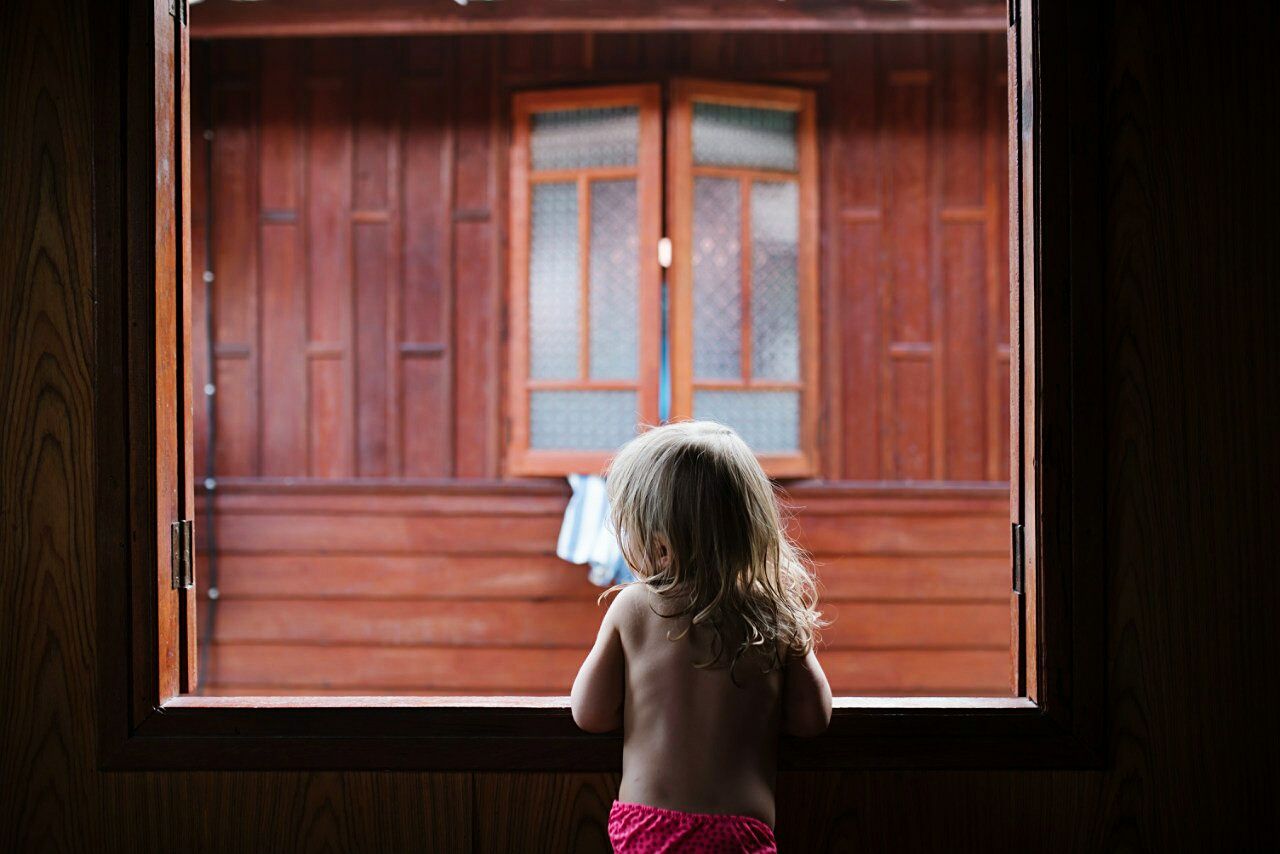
(768, 421)
(726, 135)
(615, 280)
(554, 289)
(717, 278)
(581, 420)
(579, 139)
(775, 288)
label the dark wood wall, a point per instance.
(357, 226)
(1190, 417)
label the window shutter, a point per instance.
(743, 206)
(585, 282)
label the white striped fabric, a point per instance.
(586, 537)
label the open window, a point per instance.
(586, 291)
(475, 402)
(597, 351)
(743, 208)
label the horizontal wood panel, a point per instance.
(428, 669)
(387, 534)
(892, 577)
(887, 534)
(565, 20)
(520, 534)
(359, 577)
(381, 496)
(573, 624)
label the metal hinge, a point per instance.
(1013, 12)
(180, 10)
(1019, 549)
(181, 567)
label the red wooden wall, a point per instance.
(358, 228)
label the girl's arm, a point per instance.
(596, 699)
(806, 697)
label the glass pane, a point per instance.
(581, 420)
(554, 289)
(576, 139)
(725, 135)
(615, 279)
(769, 421)
(717, 274)
(775, 296)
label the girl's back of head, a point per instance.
(699, 523)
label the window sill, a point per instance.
(538, 734)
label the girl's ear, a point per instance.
(664, 555)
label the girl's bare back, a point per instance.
(693, 739)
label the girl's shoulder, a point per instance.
(636, 608)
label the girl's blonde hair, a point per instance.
(699, 523)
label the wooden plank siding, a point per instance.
(352, 588)
(368, 535)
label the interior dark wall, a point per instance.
(1190, 176)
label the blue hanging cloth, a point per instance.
(586, 536)
(664, 372)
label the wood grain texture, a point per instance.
(915, 319)
(364, 587)
(1190, 417)
(392, 17)
(404, 325)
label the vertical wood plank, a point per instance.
(373, 250)
(201, 121)
(165, 421)
(908, 250)
(855, 181)
(424, 340)
(997, 195)
(235, 254)
(189, 666)
(963, 230)
(476, 284)
(283, 389)
(330, 278)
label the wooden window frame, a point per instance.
(521, 459)
(146, 722)
(683, 170)
(677, 194)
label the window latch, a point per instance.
(180, 563)
(1019, 552)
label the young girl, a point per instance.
(709, 656)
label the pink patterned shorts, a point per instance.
(642, 829)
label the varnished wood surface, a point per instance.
(393, 17)
(1189, 422)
